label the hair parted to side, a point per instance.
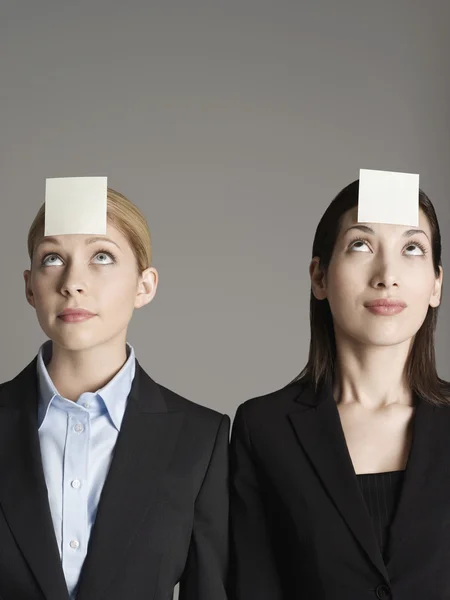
(421, 363)
(123, 215)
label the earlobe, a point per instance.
(435, 301)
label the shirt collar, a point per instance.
(114, 394)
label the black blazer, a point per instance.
(300, 528)
(163, 512)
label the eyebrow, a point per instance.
(91, 240)
(366, 229)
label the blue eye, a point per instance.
(46, 262)
(46, 257)
(108, 255)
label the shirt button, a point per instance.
(74, 544)
(86, 405)
(76, 483)
(383, 592)
(78, 428)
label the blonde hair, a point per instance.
(123, 215)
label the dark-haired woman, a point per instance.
(341, 480)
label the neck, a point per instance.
(76, 371)
(373, 376)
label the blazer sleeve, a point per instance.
(253, 572)
(205, 574)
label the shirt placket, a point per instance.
(75, 495)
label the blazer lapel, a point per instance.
(318, 428)
(425, 489)
(23, 492)
(143, 450)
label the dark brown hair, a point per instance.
(421, 363)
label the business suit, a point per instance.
(163, 512)
(300, 528)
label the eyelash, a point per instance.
(412, 243)
(101, 251)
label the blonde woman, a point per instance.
(112, 486)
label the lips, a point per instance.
(75, 315)
(385, 306)
(385, 302)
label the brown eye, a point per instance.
(359, 245)
(415, 249)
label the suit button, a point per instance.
(383, 592)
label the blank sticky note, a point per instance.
(75, 205)
(388, 197)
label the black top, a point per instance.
(381, 492)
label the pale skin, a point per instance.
(375, 404)
(73, 271)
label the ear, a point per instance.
(148, 282)
(435, 299)
(318, 279)
(28, 290)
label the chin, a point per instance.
(73, 345)
(387, 342)
(382, 338)
(77, 341)
(74, 341)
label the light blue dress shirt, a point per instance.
(77, 440)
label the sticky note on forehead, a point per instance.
(76, 205)
(388, 197)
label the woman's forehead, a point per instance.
(350, 219)
(113, 236)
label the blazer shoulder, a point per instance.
(29, 369)
(279, 401)
(194, 410)
(12, 389)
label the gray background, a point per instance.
(232, 125)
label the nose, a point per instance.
(385, 276)
(73, 281)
